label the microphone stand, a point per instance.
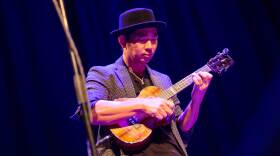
(79, 78)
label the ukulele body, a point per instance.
(137, 135)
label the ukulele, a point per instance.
(137, 134)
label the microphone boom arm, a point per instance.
(79, 78)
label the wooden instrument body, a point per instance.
(137, 135)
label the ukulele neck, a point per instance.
(182, 84)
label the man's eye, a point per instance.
(154, 40)
(142, 40)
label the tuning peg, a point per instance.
(225, 50)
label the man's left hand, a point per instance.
(201, 81)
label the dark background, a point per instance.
(240, 115)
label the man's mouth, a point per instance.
(147, 55)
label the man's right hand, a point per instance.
(157, 108)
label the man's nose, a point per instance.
(148, 44)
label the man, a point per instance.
(113, 90)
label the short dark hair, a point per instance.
(127, 34)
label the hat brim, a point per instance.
(157, 24)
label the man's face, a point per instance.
(141, 45)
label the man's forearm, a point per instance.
(189, 117)
(113, 112)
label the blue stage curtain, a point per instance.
(241, 111)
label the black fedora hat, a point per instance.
(135, 19)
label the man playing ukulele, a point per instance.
(113, 92)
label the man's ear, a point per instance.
(122, 41)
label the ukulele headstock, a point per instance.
(221, 62)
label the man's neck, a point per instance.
(137, 68)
